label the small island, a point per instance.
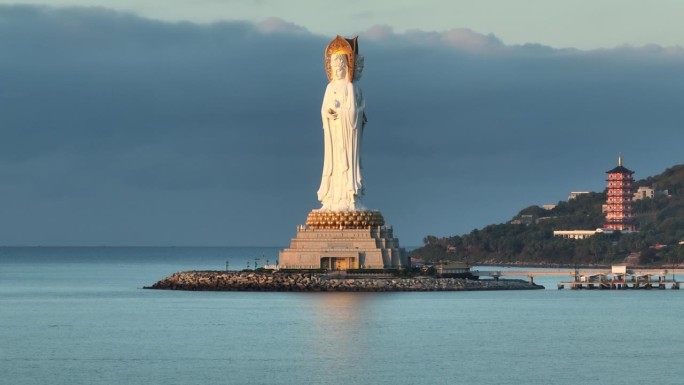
(314, 281)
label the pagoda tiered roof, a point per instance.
(620, 170)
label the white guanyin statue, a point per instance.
(343, 118)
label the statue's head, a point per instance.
(340, 55)
(338, 66)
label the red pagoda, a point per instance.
(619, 199)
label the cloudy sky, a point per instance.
(165, 123)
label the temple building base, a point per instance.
(342, 241)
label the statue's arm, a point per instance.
(361, 106)
(355, 105)
(327, 106)
(360, 101)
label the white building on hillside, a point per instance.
(643, 193)
(575, 194)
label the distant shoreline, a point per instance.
(543, 266)
(566, 266)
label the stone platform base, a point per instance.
(345, 247)
(253, 281)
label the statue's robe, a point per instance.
(341, 183)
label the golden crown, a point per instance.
(340, 45)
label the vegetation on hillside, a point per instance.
(528, 237)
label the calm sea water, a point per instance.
(78, 316)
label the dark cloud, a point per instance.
(123, 130)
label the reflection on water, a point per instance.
(340, 308)
(339, 326)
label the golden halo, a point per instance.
(340, 45)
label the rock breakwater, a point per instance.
(257, 281)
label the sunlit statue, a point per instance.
(343, 118)
(343, 234)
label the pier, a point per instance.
(530, 274)
(618, 277)
(617, 281)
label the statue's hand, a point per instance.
(332, 113)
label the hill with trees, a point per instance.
(528, 237)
